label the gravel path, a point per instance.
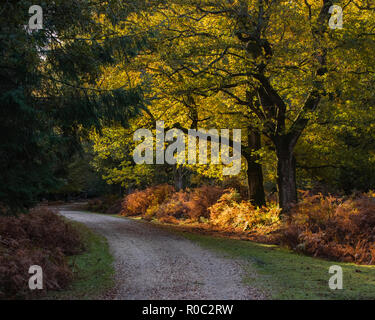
(152, 263)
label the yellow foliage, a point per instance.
(229, 213)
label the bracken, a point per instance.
(38, 238)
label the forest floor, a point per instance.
(153, 263)
(158, 261)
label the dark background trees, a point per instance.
(49, 93)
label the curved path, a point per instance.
(152, 263)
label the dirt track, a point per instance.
(152, 263)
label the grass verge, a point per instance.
(93, 269)
(287, 275)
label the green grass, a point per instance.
(93, 269)
(284, 274)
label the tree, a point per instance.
(279, 59)
(48, 88)
(184, 102)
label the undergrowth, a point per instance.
(336, 228)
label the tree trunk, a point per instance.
(286, 175)
(178, 178)
(254, 171)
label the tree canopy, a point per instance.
(300, 91)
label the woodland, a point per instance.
(73, 93)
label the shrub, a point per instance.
(14, 266)
(201, 199)
(176, 207)
(110, 204)
(163, 201)
(138, 202)
(334, 228)
(38, 238)
(229, 213)
(233, 182)
(115, 208)
(190, 204)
